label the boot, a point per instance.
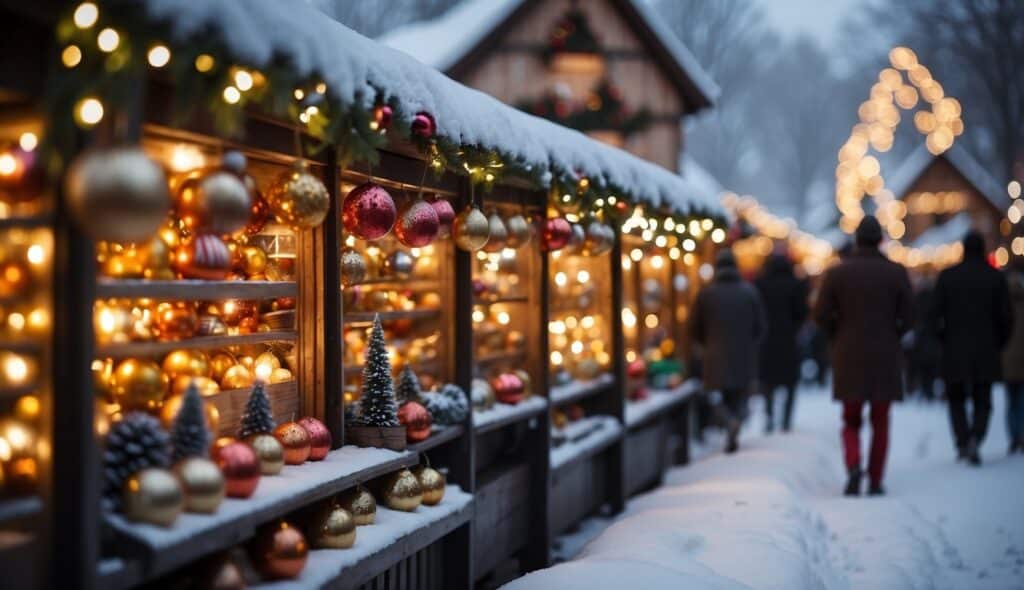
(732, 442)
(973, 456)
(876, 489)
(853, 483)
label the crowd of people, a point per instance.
(885, 335)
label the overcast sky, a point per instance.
(817, 18)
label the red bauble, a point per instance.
(205, 256)
(240, 466)
(416, 420)
(382, 115)
(279, 551)
(636, 369)
(508, 388)
(638, 394)
(557, 232)
(296, 442)
(319, 437)
(423, 125)
(445, 215)
(417, 224)
(368, 211)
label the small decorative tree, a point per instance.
(257, 418)
(408, 387)
(190, 436)
(378, 399)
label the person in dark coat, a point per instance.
(972, 315)
(1013, 362)
(925, 351)
(864, 307)
(785, 304)
(728, 323)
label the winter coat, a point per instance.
(972, 316)
(926, 350)
(864, 307)
(1013, 354)
(785, 304)
(728, 322)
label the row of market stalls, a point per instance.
(283, 307)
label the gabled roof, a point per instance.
(920, 159)
(452, 41)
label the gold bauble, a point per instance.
(138, 385)
(237, 377)
(519, 231)
(360, 504)
(353, 267)
(432, 483)
(172, 406)
(497, 234)
(401, 491)
(471, 229)
(117, 194)
(202, 482)
(214, 202)
(269, 359)
(124, 265)
(220, 362)
(298, 199)
(280, 376)
(187, 363)
(205, 385)
(254, 260)
(156, 256)
(268, 451)
(296, 442)
(102, 373)
(153, 496)
(331, 527)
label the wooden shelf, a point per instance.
(366, 317)
(22, 346)
(496, 300)
(438, 436)
(193, 290)
(19, 390)
(504, 414)
(604, 431)
(152, 349)
(27, 221)
(19, 508)
(424, 366)
(497, 357)
(193, 536)
(658, 403)
(577, 390)
(408, 284)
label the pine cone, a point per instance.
(134, 443)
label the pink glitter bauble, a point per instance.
(445, 214)
(423, 125)
(417, 224)
(368, 211)
(557, 233)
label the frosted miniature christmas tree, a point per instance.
(257, 418)
(189, 434)
(378, 398)
(408, 388)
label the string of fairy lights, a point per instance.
(812, 253)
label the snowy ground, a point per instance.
(772, 516)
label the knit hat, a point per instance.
(869, 232)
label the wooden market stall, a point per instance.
(311, 275)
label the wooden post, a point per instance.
(332, 328)
(616, 405)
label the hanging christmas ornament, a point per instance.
(298, 199)
(353, 267)
(497, 234)
(331, 527)
(319, 437)
(368, 211)
(399, 264)
(279, 551)
(423, 125)
(152, 496)
(417, 224)
(360, 504)
(216, 202)
(252, 260)
(518, 231)
(296, 442)
(202, 482)
(432, 483)
(175, 321)
(382, 115)
(268, 451)
(471, 229)
(138, 385)
(556, 234)
(599, 238)
(240, 467)
(204, 256)
(445, 215)
(117, 194)
(416, 420)
(401, 491)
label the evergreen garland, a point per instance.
(189, 435)
(257, 418)
(408, 387)
(134, 443)
(378, 407)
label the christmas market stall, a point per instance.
(281, 307)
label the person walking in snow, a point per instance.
(865, 306)
(785, 303)
(971, 313)
(728, 323)
(1013, 362)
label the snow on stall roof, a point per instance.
(918, 161)
(356, 70)
(701, 182)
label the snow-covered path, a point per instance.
(772, 516)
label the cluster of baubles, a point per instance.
(510, 387)
(369, 213)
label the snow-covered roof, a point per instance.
(953, 230)
(444, 41)
(918, 161)
(359, 71)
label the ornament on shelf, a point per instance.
(222, 573)
(259, 214)
(268, 451)
(319, 437)
(296, 442)
(401, 491)
(298, 199)
(252, 260)
(353, 267)
(204, 256)
(220, 362)
(527, 381)
(416, 420)
(189, 434)
(175, 321)
(360, 504)
(448, 405)
(135, 442)
(508, 388)
(423, 125)
(186, 363)
(138, 385)
(213, 201)
(382, 115)
(519, 231)
(445, 215)
(211, 326)
(241, 469)
(408, 387)
(483, 395)
(117, 194)
(471, 229)
(237, 377)
(497, 235)
(432, 482)
(368, 211)
(153, 496)
(417, 224)
(399, 264)
(556, 234)
(331, 527)
(279, 551)
(202, 482)
(257, 417)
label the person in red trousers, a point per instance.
(864, 306)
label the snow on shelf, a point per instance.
(401, 532)
(195, 535)
(575, 390)
(502, 414)
(603, 430)
(658, 400)
(439, 435)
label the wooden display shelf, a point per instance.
(12, 509)
(193, 290)
(420, 366)
(366, 317)
(19, 390)
(504, 414)
(230, 404)
(577, 390)
(439, 435)
(393, 537)
(27, 221)
(602, 432)
(658, 402)
(497, 357)
(151, 349)
(160, 550)
(496, 300)
(23, 346)
(391, 282)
